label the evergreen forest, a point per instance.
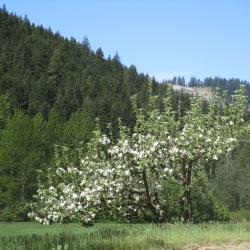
(53, 91)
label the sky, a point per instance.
(204, 38)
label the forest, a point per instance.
(53, 92)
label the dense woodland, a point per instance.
(53, 88)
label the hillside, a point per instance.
(51, 90)
(42, 71)
(208, 85)
(205, 92)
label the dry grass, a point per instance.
(204, 92)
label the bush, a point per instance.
(207, 208)
(6, 215)
(14, 213)
(240, 216)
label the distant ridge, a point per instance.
(206, 93)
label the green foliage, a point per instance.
(207, 208)
(22, 152)
(4, 111)
(7, 215)
(77, 129)
(232, 176)
(27, 148)
(241, 215)
(52, 89)
(17, 212)
(42, 71)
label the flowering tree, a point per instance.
(127, 176)
(202, 139)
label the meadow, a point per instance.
(104, 236)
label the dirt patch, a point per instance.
(204, 92)
(222, 246)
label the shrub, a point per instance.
(14, 213)
(242, 215)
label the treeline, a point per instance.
(223, 84)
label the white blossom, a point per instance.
(112, 176)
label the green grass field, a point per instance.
(33, 236)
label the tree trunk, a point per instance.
(187, 194)
(155, 208)
(22, 190)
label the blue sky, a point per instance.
(163, 38)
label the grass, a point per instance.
(29, 236)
